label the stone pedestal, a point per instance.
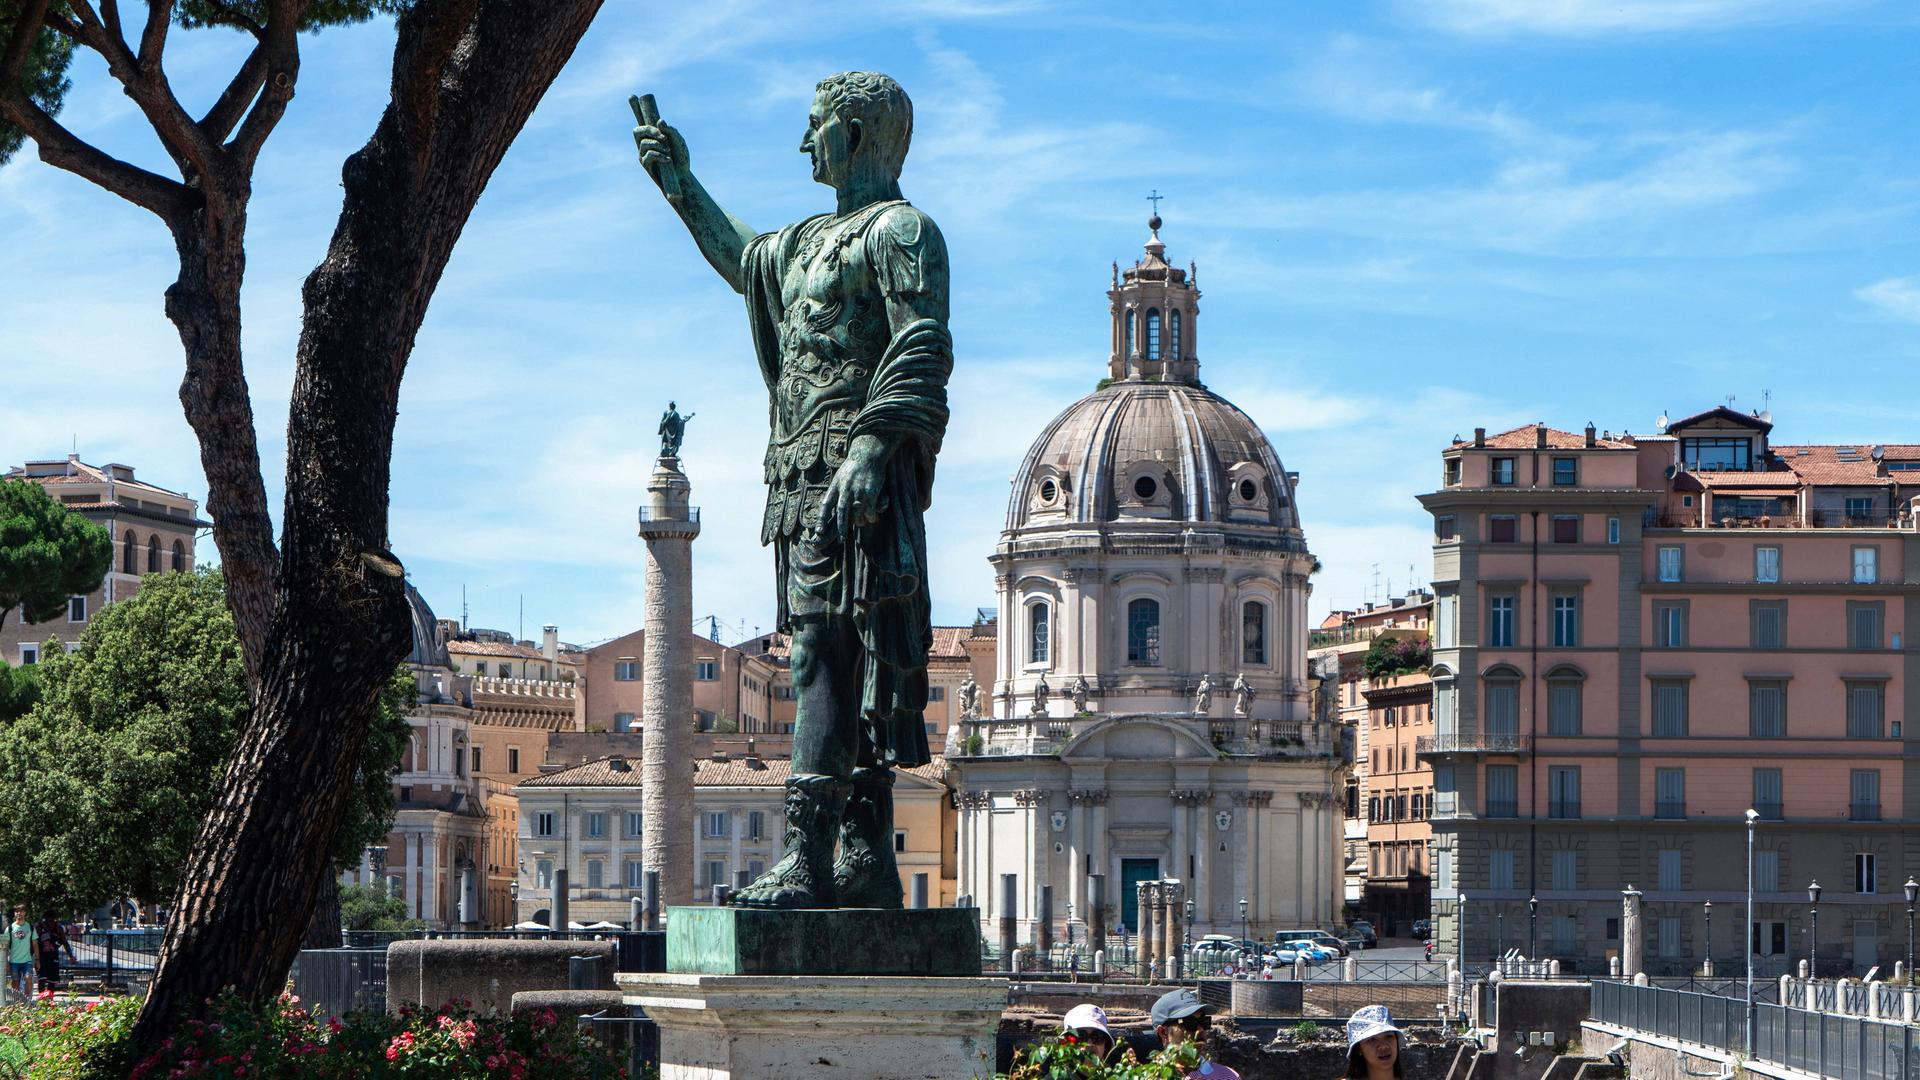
(812, 1027)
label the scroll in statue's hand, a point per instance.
(663, 153)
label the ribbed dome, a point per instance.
(1141, 451)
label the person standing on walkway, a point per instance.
(20, 955)
(1373, 1045)
(51, 937)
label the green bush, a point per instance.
(1397, 656)
(240, 1042)
(1064, 1057)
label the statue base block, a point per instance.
(942, 942)
(810, 1027)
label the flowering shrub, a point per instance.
(1395, 656)
(236, 1041)
(1065, 1057)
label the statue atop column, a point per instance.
(848, 314)
(673, 428)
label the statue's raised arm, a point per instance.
(663, 153)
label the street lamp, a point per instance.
(1708, 908)
(1499, 934)
(1813, 935)
(1533, 928)
(1069, 926)
(1243, 917)
(1189, 926)
(1913, 893)
(1460, 928)
(1752, 816)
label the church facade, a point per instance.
(1149, 717)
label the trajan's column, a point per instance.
(668, 525)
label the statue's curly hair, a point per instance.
(881, 106)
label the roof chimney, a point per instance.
(550, 642)
(1479, 438)
(1590, 436)
(1539, 435)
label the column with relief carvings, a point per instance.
(1178, 869)
(1201, 888)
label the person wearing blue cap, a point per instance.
(1178, 1017)
(1373, 1045)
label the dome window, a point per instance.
(1174, 326)
(1039, 627)
(1145, 488)
(1153, 333)
(1129, 350)
(1249, 490)
(1048, 491)
(1143, 632)
(1253, 632)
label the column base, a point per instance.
(813, 1027)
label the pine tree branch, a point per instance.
(20, 43)
(281, 69)
(62, 149)
(146, 84)
(153, 39)
(240, 93)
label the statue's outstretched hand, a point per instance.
(663, 152)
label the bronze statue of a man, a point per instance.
(849, 318)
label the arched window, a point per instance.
(1129, 348)
(1143, 632)
(153, 554)
(1153, 333)
(1253, 632)
(179, 555)
(1039, 649)
(130, 554)
(1174, 343)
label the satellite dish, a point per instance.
(1671, 470)
(1661, 423)
(1877, 452)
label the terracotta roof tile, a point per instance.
(1525, 438)
(495, 648)
(950, 641)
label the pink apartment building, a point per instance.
(1637, 639)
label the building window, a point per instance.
(179, 555)
(623, 721)
(1566, 936)
(1153, 333)
(1563, 791)
(1039, 626)
(1672, 869)
(1863, 799)
(1671, 947)
(153, 554)
(899, 840)
(1419, 806)
(1670, 624)
(936, 693)
(1566, 620)
(1446, 611)
(1503, 791)
(1253, 632)
(626, 671)
(1863, 624)
(756, 824)
(480, 668)
(1669, 708)
(543, 823)
(1143, 632)
(1566, 528)
(476, 760)
(596, 825)
(513, 760)
(1858, 508)
(706, 670)
(76, 609)
(1766, 565)
(704, 720)
(1670, 793)
(506, 670)
(1767, 708)
(1500, 869)
(634, 822)
(716, 873)
(1500, 471)
(1563, 706)
(29, 654)
(1453, 472)
(1613, 530)
(783, 692)
(1566, 870)
(716, 825)
(1443, 528)
(130, 554)
(1503, 709)
(1866, 877)
(636, 874)
(1566, 471)
(1766, 871)
(1503, 529)
(1769, 629)
(596, 874)
(1173, 323)
(1716, 454)
(543, 874)
(1767, 789)
(1866, 565)
(1500, 622)
(1672, 563)
(1865, 711)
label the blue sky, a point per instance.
(1409, 218)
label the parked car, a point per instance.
(1351, 939)
(1218, 947)
(1283, 956)
(1366, 932)
(1315, 954)
(1422, 929)
(1318, 937)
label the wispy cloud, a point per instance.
(1585, 18)
(1898, 297)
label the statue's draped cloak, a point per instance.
(885, 563)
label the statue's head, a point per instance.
(860, 120)
(672, 405)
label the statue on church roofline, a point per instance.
(1042, 694)
(1079, 691)
(1203, 695)
(848, 314)
(1243, 695)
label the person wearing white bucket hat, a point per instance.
(1373, 1045)
(1088, 1023)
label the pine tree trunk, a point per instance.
(323, 930)
(467, 73)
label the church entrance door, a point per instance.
(1132, 873)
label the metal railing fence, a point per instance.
(1820, 1043)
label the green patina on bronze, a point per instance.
(848, 312)
(844, 941)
